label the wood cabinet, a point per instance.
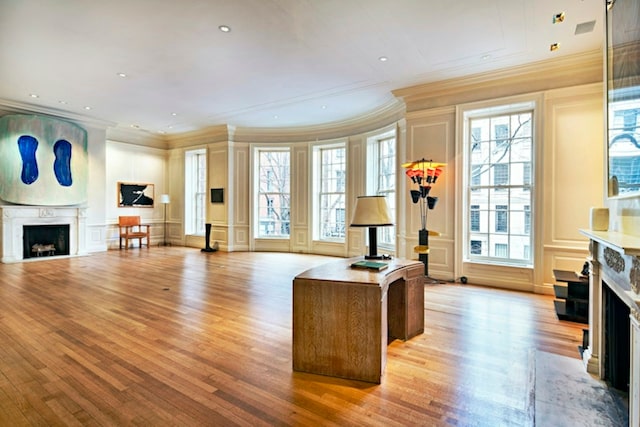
(343, 318)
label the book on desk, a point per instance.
(370, 265)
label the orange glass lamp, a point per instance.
(372, 212)
(424, 173)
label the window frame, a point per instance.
(195, 199)
(270, 194)
(526, 258)
(375, 182)
(319, 193)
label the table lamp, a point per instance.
(372, 212)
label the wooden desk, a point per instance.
(343, 318)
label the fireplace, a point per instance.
(613, 353)
(45, 240)
(59, 231)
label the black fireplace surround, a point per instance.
(45, 235)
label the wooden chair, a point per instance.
(131, 229)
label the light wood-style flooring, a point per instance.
(175, 336)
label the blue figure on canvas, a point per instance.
(62, 163)
(28, 146)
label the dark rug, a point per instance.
(566, 395)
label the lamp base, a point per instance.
(374, 257)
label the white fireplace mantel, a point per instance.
(615, 260)
(14, 218)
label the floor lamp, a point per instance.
(424, 173)
(165, 200)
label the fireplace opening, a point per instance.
(616, 340)
(45, 240)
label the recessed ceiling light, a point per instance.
(62, 102)
(174, 114)
(558, 17)
(324, 107)
(87, 108)
(135, 126)
(485, 57)
(123, 75)
(33, 95)
(275, 117)
(383, 59)
(224, 28)
(554, 47)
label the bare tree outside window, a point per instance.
(274, 198)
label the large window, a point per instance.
(273, 195)
(381, 180)
(329, 190)
(195, 191)
(498, 158)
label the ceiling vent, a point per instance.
(585, 27)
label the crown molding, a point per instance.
(570, 70)
(13, 107)
(136, 137)
(208, 135)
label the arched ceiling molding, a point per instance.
(377, 119)
(209, 135)
(538, 76)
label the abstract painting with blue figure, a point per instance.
(43, 161)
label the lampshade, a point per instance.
(165, 199)
(371, 211)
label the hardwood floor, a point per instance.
(174, 336)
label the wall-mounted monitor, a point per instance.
(217, 195)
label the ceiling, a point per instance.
(285, 63)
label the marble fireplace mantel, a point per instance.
(13, 218)
(615, 260)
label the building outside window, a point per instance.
(273, 196)
(498, 198)
(329, 190)
(195, 191)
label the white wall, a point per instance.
(133, 164)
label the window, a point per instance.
(498, 146)
(381, 180)
(475, 218)
(502, 250)
(195, 191)
(329, 206)
(476, 247)
(273, 195)
(501, 218)
(500, 175)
